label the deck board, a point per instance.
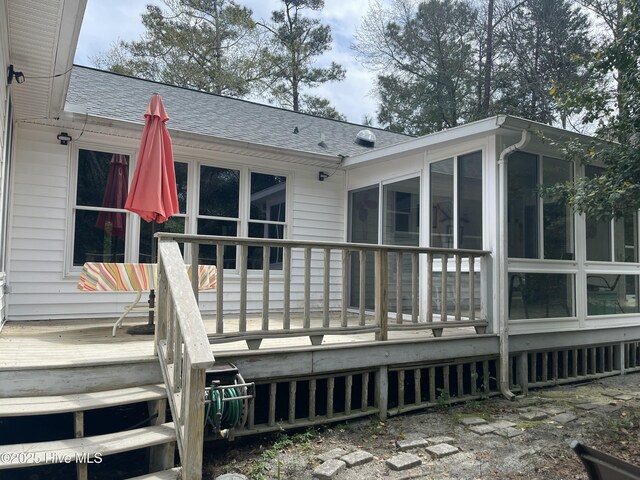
(63, 343)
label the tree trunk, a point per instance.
(489, 62)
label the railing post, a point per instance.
(220, 288)
(382, 293)
(195, 274)
(161, 302)
(346, 256)
(193, 391)
(286, 267)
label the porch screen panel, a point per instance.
(176, 224)
(218, 210)
(268, 206)
(611, 294)
(99, 215)
(402, 213)
(557, 218)
(598, 230)
(401, 227)
(442, 203)
(363, 228)
(540, 295)
(522, 201)
(625, 238)
(470, 201)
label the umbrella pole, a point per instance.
(152, 292)
(149, 328)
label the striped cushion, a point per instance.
(133, 277)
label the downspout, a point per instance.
(502, 267)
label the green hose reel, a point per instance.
(228, 413)
(226, 400)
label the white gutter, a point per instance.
(502, 264)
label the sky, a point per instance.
(107, 21)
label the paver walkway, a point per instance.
(485, 439)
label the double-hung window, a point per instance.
(213, 200)
(221, 212)
(100, 221)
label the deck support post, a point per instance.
(382, 293)
(523, 372)
(382, 391)
(160, 456)
(619, 355)
(82, 472)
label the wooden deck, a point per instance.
(60, 343)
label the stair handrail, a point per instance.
(183, 349)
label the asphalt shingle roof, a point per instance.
(106, 94)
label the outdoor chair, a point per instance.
(602, 466)
(600, 288)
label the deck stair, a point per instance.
(160, 434)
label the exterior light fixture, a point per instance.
(11, 74)
(64, 138)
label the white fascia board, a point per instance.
(69, 24)
(481, 127)
(451, 134)
(73, 117)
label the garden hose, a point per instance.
(231, 412)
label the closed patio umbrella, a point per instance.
(153, 193)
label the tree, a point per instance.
(542, 46)
(615, 191)
(427, 56)
(296, 43)
(320, 107)
(208, 45)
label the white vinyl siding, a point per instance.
(40, 286)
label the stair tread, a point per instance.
(39, 453)
(171, 474)
(46, 405)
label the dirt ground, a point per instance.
(607, 417)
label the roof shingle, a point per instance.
(119, 97)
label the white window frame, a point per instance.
(132, 228)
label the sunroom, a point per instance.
(551, 269)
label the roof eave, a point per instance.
(480, 127)
(319, 159)
(70, 23)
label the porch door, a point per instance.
(364, 208)
(400, 226)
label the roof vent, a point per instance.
(366, 138)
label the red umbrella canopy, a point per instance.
(115, 194)
(153, 193)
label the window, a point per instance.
(456, 199)
(267, 216)
(219, 213)
(218, 210)
(538, 228)
(609, 240)
(99, 215)
(230, 202)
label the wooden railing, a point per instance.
(184, 352)
(312, 296)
